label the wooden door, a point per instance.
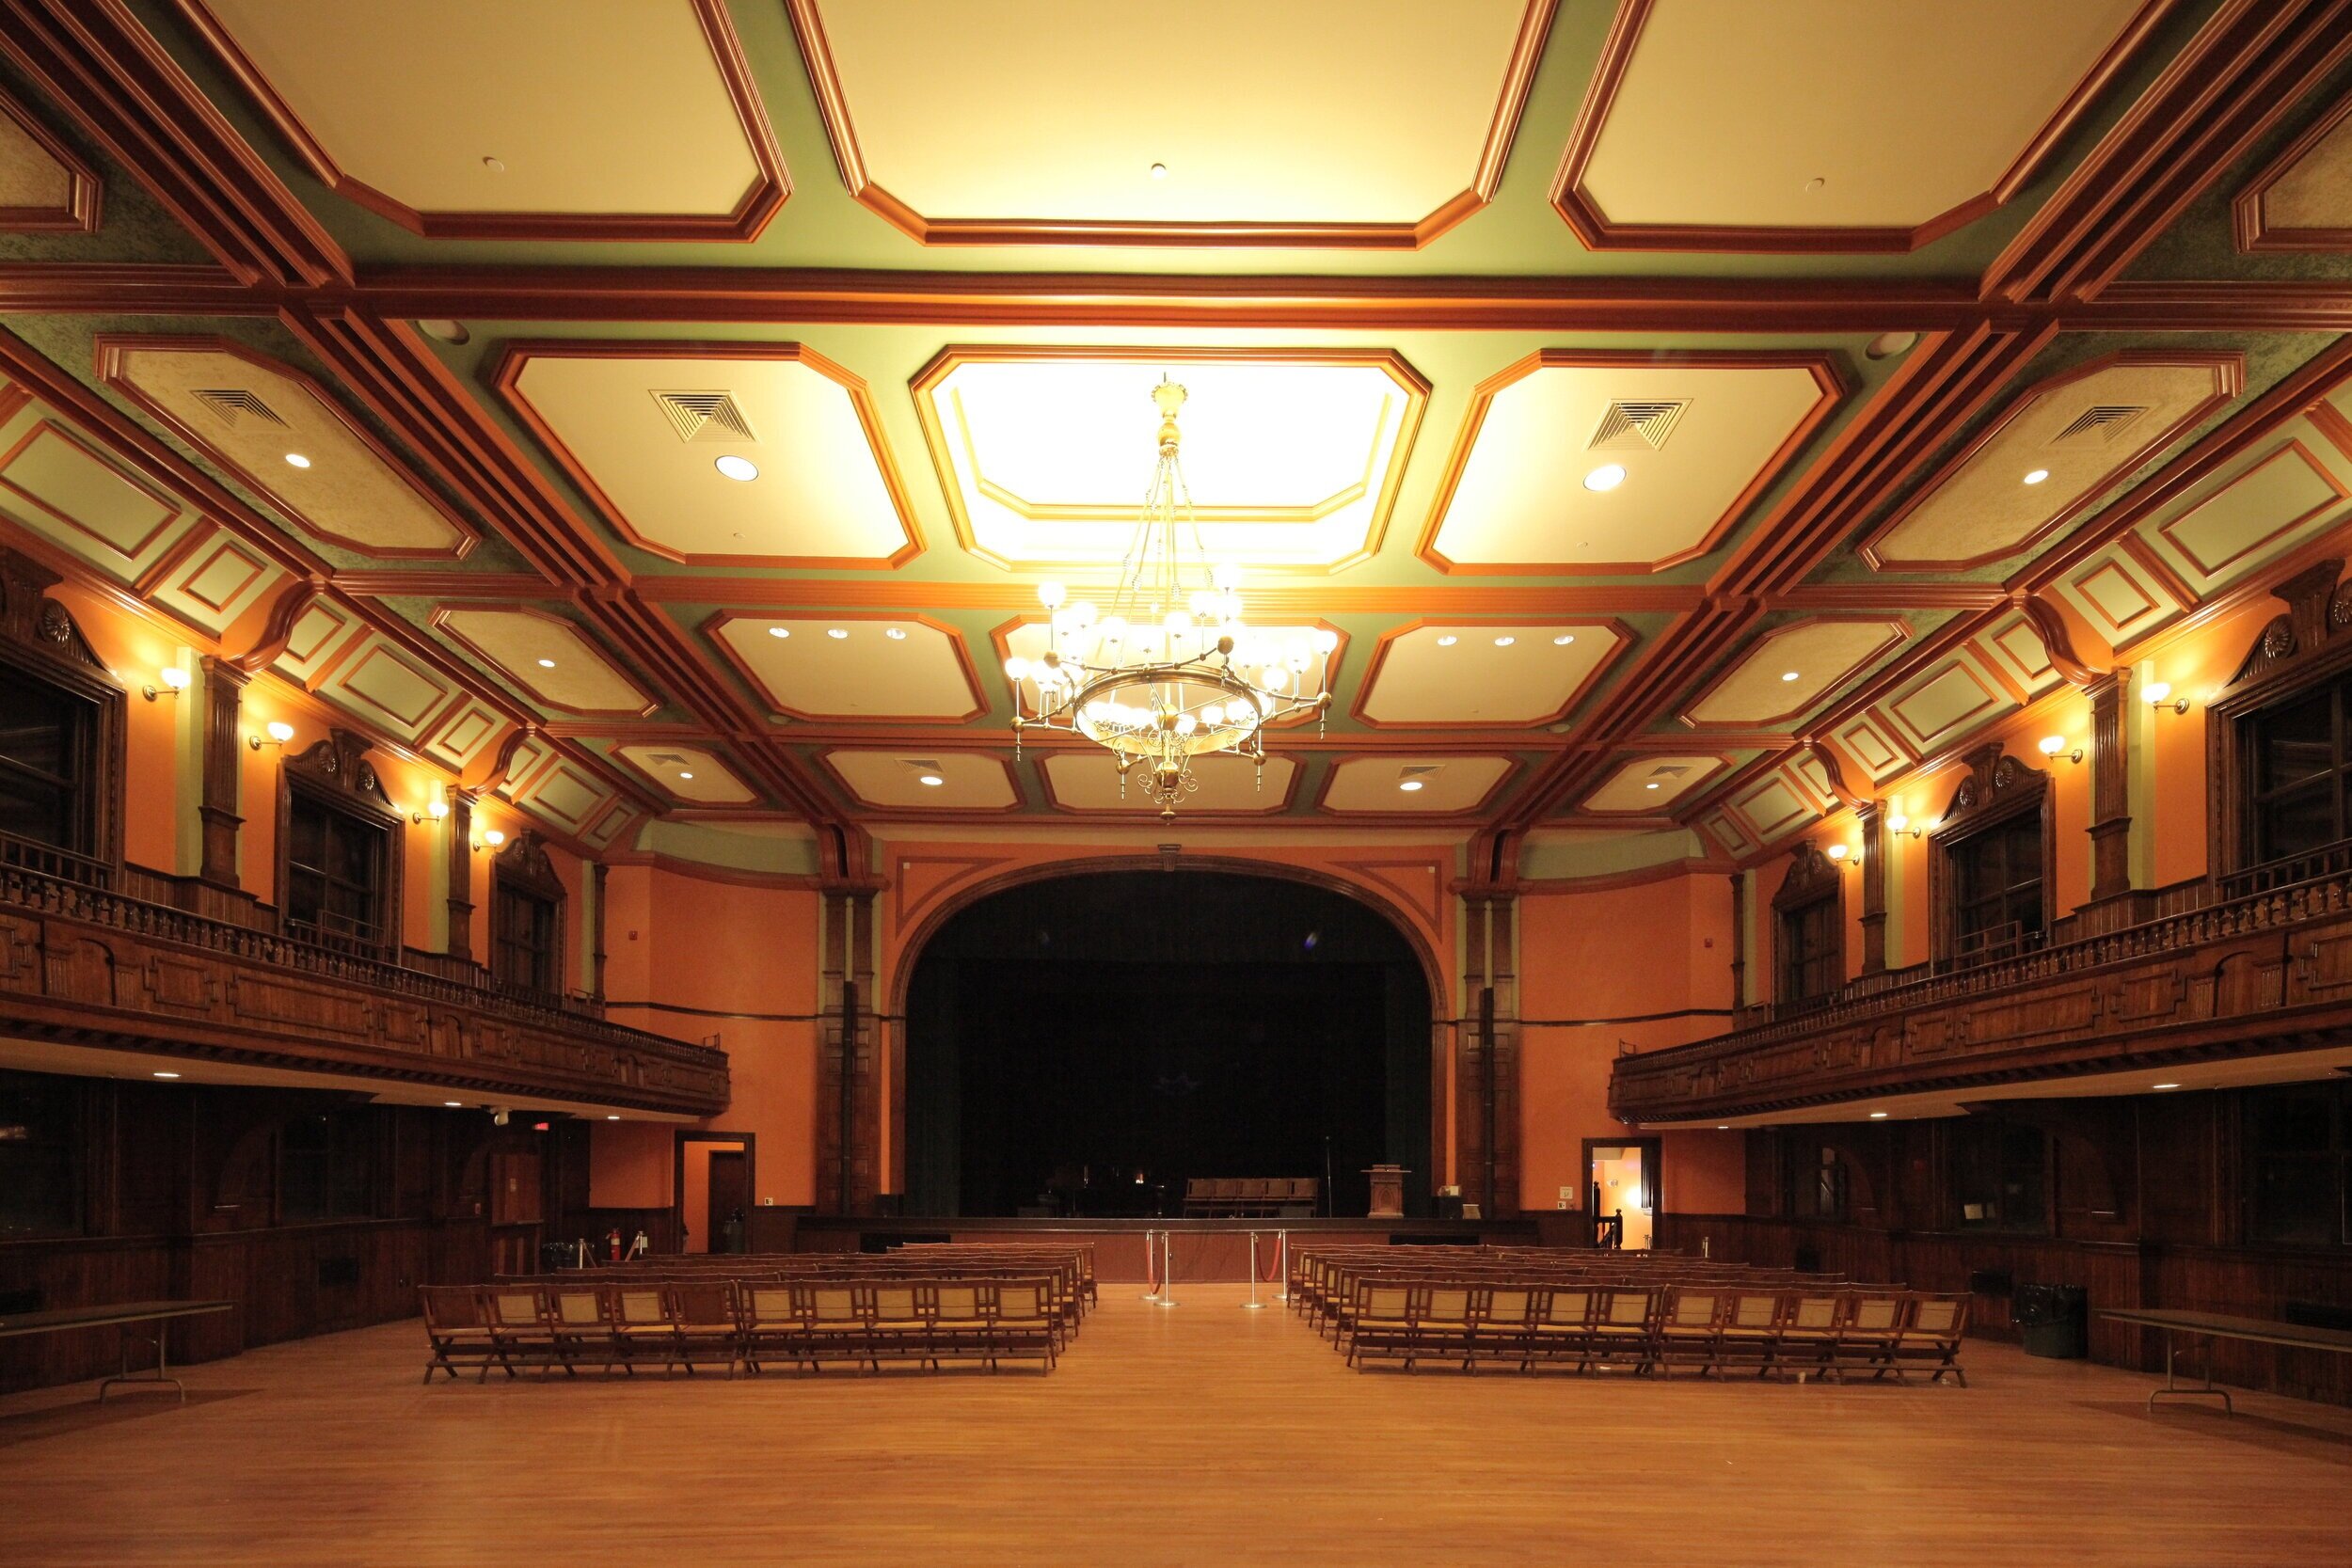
(730, 1190)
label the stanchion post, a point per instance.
(1151, 1284)
(1282, 1257)
(1253, 1304)
(1168, 1267)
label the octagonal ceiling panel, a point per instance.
(1573, 462)
(690, 773)
(1292, 459)
(44, 187)
(282, 435)
(931, 780)
(2045, 462)
(548, 657)
(1431, 784)
(1652, 784)
(645, 428)
(1463, 675)
(1088, 781)
(1791, 668)
(1829, 124)
(2302, 199)
(853, 665)
(1218, 123)
(584, 119)
(1028, 639)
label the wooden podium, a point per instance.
(1388, 1192)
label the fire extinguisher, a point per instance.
(612, 1245)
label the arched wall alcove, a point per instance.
(1060, 1021)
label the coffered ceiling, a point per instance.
(1685, 414)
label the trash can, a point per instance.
(2053, 1321)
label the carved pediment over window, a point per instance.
(1811, 875)
(1994, 782)
(2319, 608)
(340, 764)
(29, 617)
(524, 860)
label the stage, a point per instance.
(1204, 1251)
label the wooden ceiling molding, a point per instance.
(2302, 199)
(238, 30)
(45, 186)
(1693, 522)
(649, 499)
(1403, 232)
(2110, 48)
(2084, 430)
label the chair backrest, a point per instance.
(1025, 1301)
(514, 1309)
(832, 1303)
(1448, 1303)
(1254, 1189)
(1755, 1310)
(1306, 1186)
(1628, 1308)
(1694, 1309)
(578, 1306)
(1939, 1315)
(1503, 1305)
(1223, 1186)
(450, 1306)
(1385, 1302)
(1813, 1311)
(1569, 1306)
(1876, 1314)
(955, 1302)
(769, 1304)
(703, 1305)
(1195, 1186)
(895, 1303)
(639, 1308)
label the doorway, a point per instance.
(1621, 1191)
(713, 1184)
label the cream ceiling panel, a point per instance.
(549, 657)
(564, 796)
(645, 432)
(853, 666)
(2079, 433)
(1834, 114)
(43, 187)
(2302, 201)
(1446, 784)
(690, 773)
(1867, 741)
(1681, 448)
(1648, 784)
(464, 733)
(317, 632)
(60, 487)
(1791, 668)
(2283, 497)
(389, 688)
(218, 581)
(1088, 781)
(926, 779)
(1772, 808)
(2016, 647)
(2121, 596)
(1290, 459)
(1444, 675)
(1937, 710)
(520, 106)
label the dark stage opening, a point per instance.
(1087, 1044)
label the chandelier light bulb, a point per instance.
(1083, 613)
(1326, 639)
(1226, 575)
(1051, 594)
(1113, 628)
(1016, 667)
(1187, 723)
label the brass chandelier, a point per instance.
(1166, 670)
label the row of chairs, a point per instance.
(722, 1322)
(1801, 1333)
(1076, 1259)
(1320, 1280)
(1226, 1197)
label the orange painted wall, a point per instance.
(630, 1165)
(134, 650)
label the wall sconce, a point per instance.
(2159, 694)
(1839, 852)
(174, 680)
(2054, 745)
(490, 836)
(1901, 826)
(436, 809)
(279, 733)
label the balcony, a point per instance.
(2192, 973)
(84, 963)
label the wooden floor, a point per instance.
(1198, 1435)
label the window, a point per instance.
(335, 865)
(38, 1195)
(1996, 887)
(2298, 757)
(325, 1167)
(1812, 959)
(2000, 1175)
(523, 941)
(47, 751)
(2297, 1140)
(1819, 1189)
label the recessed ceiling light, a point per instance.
(1814, 184)
(779, 631)
(1448, 641)
(495, 165)
(1607, 477)
(1878, 1116)
(2168, 1085)
(933, 780)
(612, 1118)
(166, 1075)
(454, 1105)
(1564, 639)
(296, 460)
(1505, 641)
(837, 633)
(738, 468)
(2037, 476)
(1787, 674)
(683, 774)
(1159, 172)
(444, 328)
(547, 664)
(1887, 345)
(1723, 1127)
(1409, 785)
(1649, 786)
(896, 634)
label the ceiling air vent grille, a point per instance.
(1645, 423)
(1421, 770)
(1670, 770)
(235, 406)
(704, 417)
(2100, 423)
(670, 759)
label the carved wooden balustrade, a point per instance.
(82, 964)
(2204, 976)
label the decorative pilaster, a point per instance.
(216, 811)
(2110, 785)
(848, 1108)
(597, 875)
(1738, 941)
(1487, 1121)
(459, 848)
(1871, 814)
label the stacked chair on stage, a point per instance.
(925, 1306)
(1646, 1313)
(1245, 1198)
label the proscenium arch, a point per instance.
(1417, 940)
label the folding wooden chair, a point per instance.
(1624, 1329)
(1438, 1324)
(958, 1319)
(455, 1331)
(770, 1326)
(1807, 1339)
(835, 1320)
(1498, 1326)
(519, 1331)
(1559, 1326)
(1751, 1329)
(703, 1314)
(581, 1318)
(643, 1328)
(1867, 1334)
(896, 1324)
(1023, 1322)
(1379, 1323)
(1691, 1330)
(1930, 1338)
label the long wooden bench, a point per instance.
(1240, 1197)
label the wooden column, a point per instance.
(1872, 816)
(848, 1108)
(596, 875)
(459, 823)
(1738, 941)
(1486, 1099)
(224, 698)
(2110, 785)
